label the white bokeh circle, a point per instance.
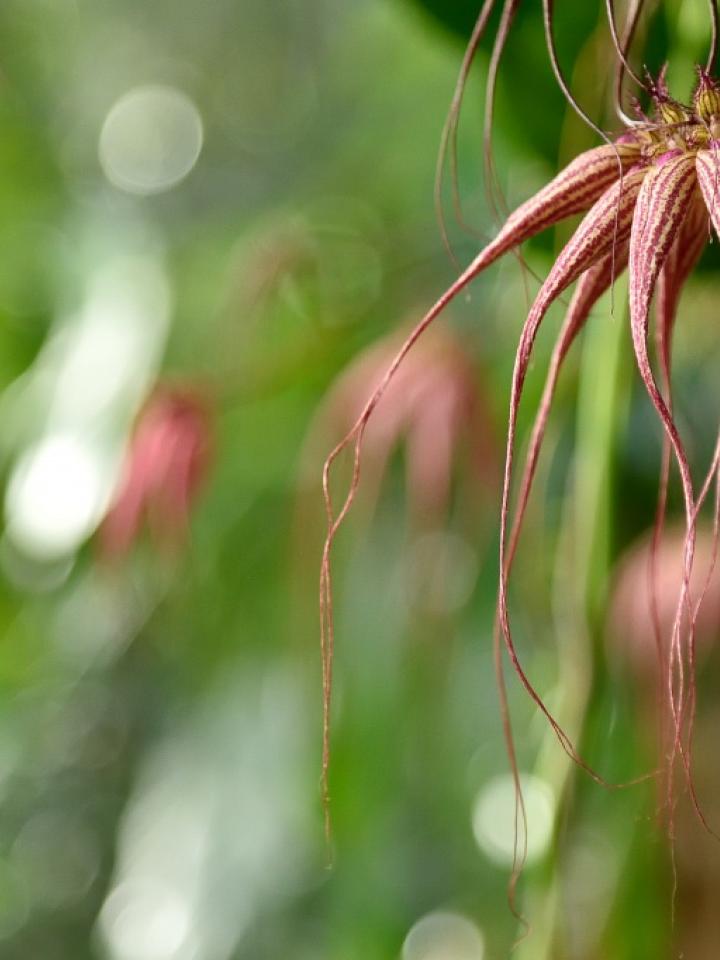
(151, 139)
(443, 935)
(493, 818)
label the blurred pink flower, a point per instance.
(433, 405)
(642, 638)
(165, 464)
(633, 629)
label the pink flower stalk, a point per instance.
(648, 200)
(165, 465)
(433, 405)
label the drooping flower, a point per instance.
(649, 199)
(643, 608)
(165, 465)
(642, 615)
(434, 407)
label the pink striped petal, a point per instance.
(605, 227)
(707, 164)
(663, 204)
(684, 254)
(590, 287)
(573, 190)
(666, 198)
(682, 258)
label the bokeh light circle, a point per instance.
(144, 920)
(56, 495)
(443, 936)
(150, 140)
(493, 818)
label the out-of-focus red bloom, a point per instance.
(433, 405)
(632, 642)
(634, 629)
(165, 464)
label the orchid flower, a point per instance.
(165, 465)
(434, 407)
(648, 198)
(633, 628)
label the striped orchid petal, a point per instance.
(682, 258)
(573, 190)
(662, 206)
(708, 174)
(605, 226)
(590, 287)
(666, 198)
(684, 254)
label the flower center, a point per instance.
(675, 126)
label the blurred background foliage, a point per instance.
(233, 200)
